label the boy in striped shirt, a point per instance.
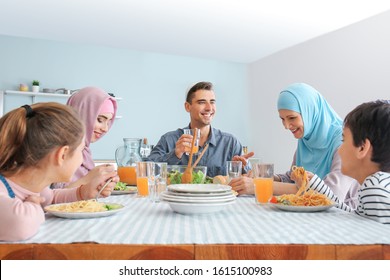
(365, 156)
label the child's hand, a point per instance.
(96, 178)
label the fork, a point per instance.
(105, 185)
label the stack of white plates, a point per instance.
(198, 198)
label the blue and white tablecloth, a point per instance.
(244, 222)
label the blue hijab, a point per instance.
(322, 127)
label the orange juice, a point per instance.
(195, 149)
(143, 186)
(127, 175)
(263, 189)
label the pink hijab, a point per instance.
(89, 102)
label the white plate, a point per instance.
(84, 215)
(199, 188)
(167, 197)
(196, 196)
(221, 194)
(191, 209)
(128, 190)
(302, 208)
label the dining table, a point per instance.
(243, 230)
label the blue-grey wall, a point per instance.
(152, 85)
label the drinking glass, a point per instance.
(253, 161)
(196, 144)
(263, 181)
(234, 169)
(159, 183)
(145, 177)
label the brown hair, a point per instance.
(196, 87)
(28, 134)
(371, 121)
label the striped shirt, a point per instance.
(373, 197)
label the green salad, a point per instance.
(208, 180)
(120, 186)
(174, 177)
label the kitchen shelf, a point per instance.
(35, 94)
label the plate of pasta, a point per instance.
(293, 208)
(305, 199)
(84, 209)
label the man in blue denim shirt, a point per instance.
(172, 146)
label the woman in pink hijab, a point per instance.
(97, 110)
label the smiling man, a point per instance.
(172, 147)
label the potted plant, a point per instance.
(35, 86)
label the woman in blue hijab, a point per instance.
(318, 128)
(315, 124)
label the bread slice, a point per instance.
(219, 179)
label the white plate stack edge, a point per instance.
(198, 198)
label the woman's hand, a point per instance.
(298, 181)
(243, 185)
(96, 179)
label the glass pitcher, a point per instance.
(126, 157)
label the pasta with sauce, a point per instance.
(303, 197)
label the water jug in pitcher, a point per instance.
(126, 157)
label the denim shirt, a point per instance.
(222, 147)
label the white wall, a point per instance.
(152, 85)
(348, 66)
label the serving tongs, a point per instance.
(200, 156)
(187, 174)
(198, 159)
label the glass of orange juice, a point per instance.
(263, 180)
(145, 177)
(189, 131)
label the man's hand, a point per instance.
(183, 145)
(244, 158)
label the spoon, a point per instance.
(105, 185)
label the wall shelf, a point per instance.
(35, 94)
(30, 93)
